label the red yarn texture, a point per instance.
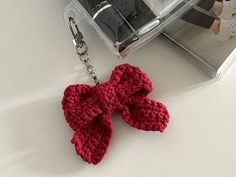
(88, 110)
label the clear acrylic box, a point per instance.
(125, 25)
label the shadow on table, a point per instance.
(41, 139)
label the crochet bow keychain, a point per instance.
(88, 109)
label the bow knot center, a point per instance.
(107, 97)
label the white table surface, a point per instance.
(38, 61)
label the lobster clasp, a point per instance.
(81, 46)
(77, 35)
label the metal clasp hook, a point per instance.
(78, 41)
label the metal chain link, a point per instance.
(82, 49)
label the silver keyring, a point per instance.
(82, 48)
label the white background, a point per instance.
(38, 61)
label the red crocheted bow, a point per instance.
(88, 110)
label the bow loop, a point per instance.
(79, 105)
(130, 83)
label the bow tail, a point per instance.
(91, 142)
(146, 114)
